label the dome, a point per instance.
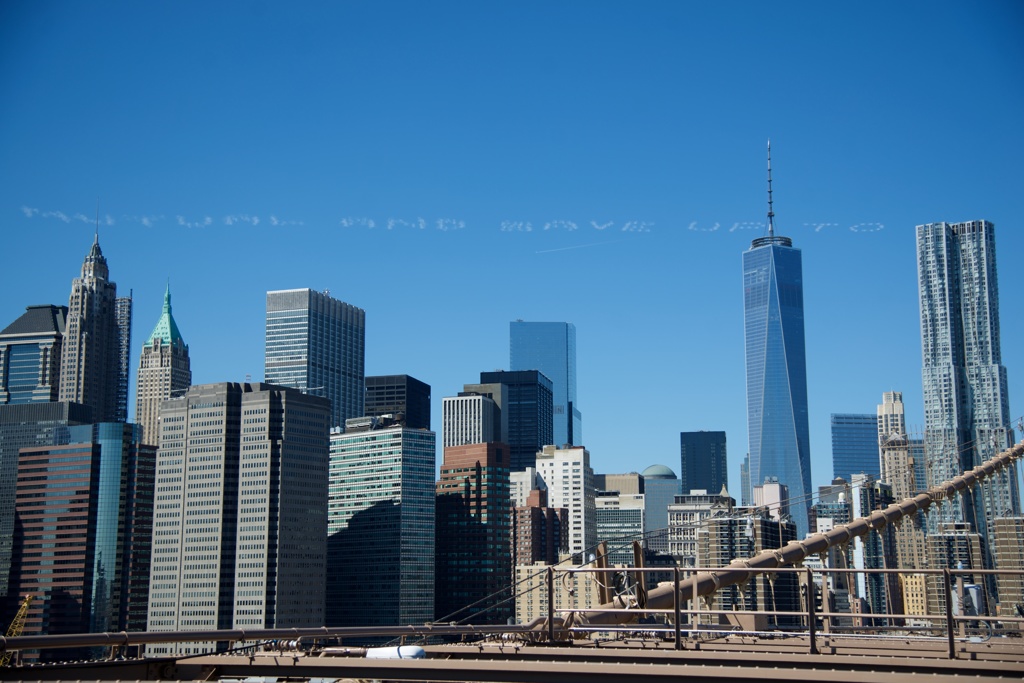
(658, 472)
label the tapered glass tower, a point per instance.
(966, 404)
(773, 305)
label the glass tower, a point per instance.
(316, 344)
(854, 445)
(380, 525)
(551, 349)
(703, 461)
(966, 405)
(30, 349)
(773, 305)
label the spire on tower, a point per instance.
(771, 214)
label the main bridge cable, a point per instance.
(796, 552)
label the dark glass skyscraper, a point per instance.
(704, 464)
(773, 302)
(551, 349)
(528, 413)
(394, 394)
(854, 445)
(317, 344)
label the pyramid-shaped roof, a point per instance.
(166, 329)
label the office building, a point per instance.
(399, 395)
(660, 486)
(524, 483)
(473, 569)
(746, 490)
(628, 482)
(317, 344)
(703, 461)
(773, 303)
(30, 350)
(528, 413)
(772, 497)
(854, 445)
(966, 407)
(551, 349)
(93, 368)
(1008, 552)
(101, 481)
(720, 540)
(890, 415)
(572, 591)
(470, 418)
(164, 371)
(879, 592)
(498, 393)
(620, 521)
(955, 545)
(240, 532)
(380, 524)
(687, 514)
(25, 426)
(570, 483)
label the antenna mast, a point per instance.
(771, 214)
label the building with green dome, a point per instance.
(164, 371)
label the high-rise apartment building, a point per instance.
(1008, 552)
(703, 461)
(854, 445)
(528, 413)
(240, 534)
(539, 532)
(551, 349)
(380, 524)
(777, 423)
(890, 416)
(30, 350)
(570, 483)
(93, 368)
(399, 395)
(317, 344)
(27, 425)
(898, 467)
(164, 371)
(101, 481)
(966, 406)
(473, 568)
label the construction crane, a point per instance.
(16, 628)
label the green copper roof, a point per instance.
(166, 329)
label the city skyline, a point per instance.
(645, 276)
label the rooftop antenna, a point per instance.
(97, 237)
(771, 214)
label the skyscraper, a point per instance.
(380, 524)
(528, 413)
(30, 350)
(966, 407)
(164, 371)
(470, 418)
(551, 349)
(241, 528)
(394, 394)
(703, 460)
(94, 368)
(773, 301)
(473, 567)
(570, 484)
(87, 484)
(317, 344)
(854, 445)
(25, 426)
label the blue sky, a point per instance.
(452, 166)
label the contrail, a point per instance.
(578, 246)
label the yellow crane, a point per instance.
(15, 628)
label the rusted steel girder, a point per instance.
(795, 552)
